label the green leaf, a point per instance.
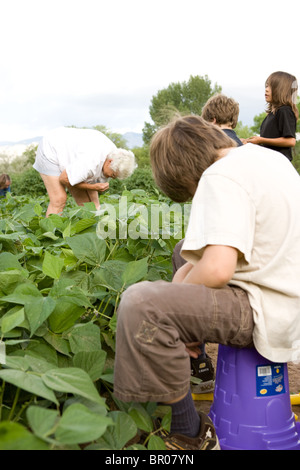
(39, 364)
(88, 248)
(23, 294)
(84, 337)
(70, 303)
(38, 310)
(141, 417)
(135, 271)
(64, 315)
(9, 261)
(17, 362)
(117, 437)
(57, 342)
(9, 280)
(29, 382)
(109, 275)
(37, 307)
(12, 319)
(156, 443)
(78, 425)
(72, 380)
(125, 428)
(92, 362)
(13, 436)
(25, 213)
(52, 265)
(41, 420)
(83, 224)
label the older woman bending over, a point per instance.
(81, 160)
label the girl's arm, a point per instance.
(278, 142)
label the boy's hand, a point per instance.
(193, 349)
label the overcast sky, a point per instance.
(90, 62)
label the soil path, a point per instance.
(294, 381)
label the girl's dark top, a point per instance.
(281, 124)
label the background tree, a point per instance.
(183, 98)
(116, 138)
(257, 121)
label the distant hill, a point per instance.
(133, 139)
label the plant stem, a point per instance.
(14, 404)
(1, 398)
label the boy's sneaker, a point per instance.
(202, 368)
(206, 439)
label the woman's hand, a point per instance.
(101, 187)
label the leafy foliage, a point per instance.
(60, 286)
(184, 98)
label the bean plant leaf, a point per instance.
(141, 418)
(52, 265)
(92, 362)
(28, 381)
(41, 420)
(88, 248)
(116, 437)
(109, 275)
(79, 425)
(13, 318)
(38, 310)
(23, 294)
(70, 305)
(135, 271)
(9, 280)
(156, 443)
(14, 436)
(10, 261)
(84, 337)
(72, 380)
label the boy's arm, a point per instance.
(182, 272)
(215, 269)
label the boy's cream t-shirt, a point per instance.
(250, 199)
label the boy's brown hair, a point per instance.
(181, 151)
(284, 89)
(223, 109)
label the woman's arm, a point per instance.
(64, 180)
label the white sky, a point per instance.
(89, 62)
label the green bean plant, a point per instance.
(61, 280)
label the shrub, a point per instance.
(29, 183)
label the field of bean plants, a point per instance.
(61, 279)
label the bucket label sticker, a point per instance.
(270, 380)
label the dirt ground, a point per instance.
(294, 381)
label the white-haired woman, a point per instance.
(81, 160)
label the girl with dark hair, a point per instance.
(278, 130)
